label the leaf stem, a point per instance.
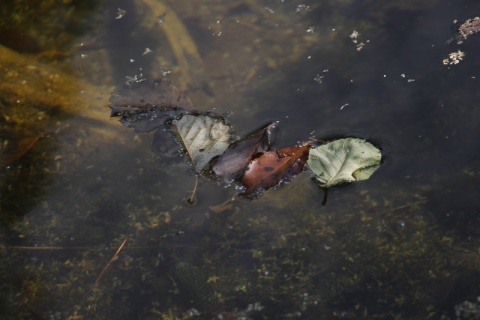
(193, 197)
(325, 195)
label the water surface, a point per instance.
(401, 245)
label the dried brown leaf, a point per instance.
(231, 164)
(275, 167)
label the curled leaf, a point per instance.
(231, 164)
(274, 167)
(204, 137)
(344, 160)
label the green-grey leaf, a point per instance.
(204, 137)
(344, 160)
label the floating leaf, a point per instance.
(231, 164)
(274, 167)
(344, 160)
(145, 105)
(204, 138)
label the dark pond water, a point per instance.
(402, 245)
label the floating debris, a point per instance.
(408, 80)
(302, 9)
(147, 51)
(318, 78)
(161, 18)
(354, 36)
(120, 14)
(469, 27)
(269, 10)
(454, 58)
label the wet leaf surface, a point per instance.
(231, 164)
(275, 167)
(204, 137)
(344, 160)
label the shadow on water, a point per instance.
(402, 245)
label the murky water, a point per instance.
(401, 245)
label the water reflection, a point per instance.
(400, 245)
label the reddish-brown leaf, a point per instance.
(231, 164)
(275, 167)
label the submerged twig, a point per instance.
(227, 205)
(115, 257)
(57, 249)
(23, 147)
(403, 206)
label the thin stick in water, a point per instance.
(115, 257)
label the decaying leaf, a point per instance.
(145, 105)
(344, 160)
(231, 164)
(204, 137)
(274, 167)
(144, 94)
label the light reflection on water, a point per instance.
(402, 244)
